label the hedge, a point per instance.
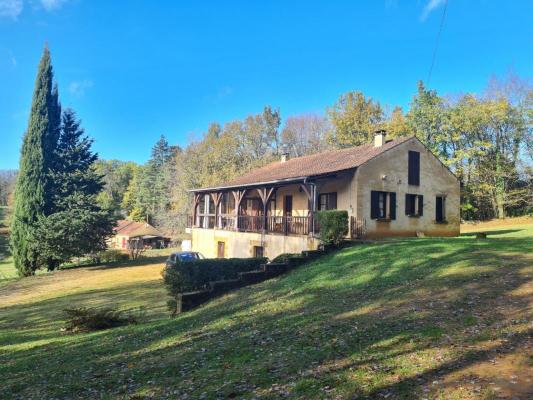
(196, 275)
(292, 259)
(333, 226)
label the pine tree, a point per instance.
(74, 170)
(146, 198)
(78, 224)
(34, 182)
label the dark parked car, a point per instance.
(184, 256)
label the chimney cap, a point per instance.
(380, 132)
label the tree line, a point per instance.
(486, 140)
(8, 178)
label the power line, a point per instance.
(438, 40)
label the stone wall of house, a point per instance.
(389, 172)
(241, 244)
(344, 185)
(299, 200)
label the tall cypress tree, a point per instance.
(34, 183)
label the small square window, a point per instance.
(258, 251)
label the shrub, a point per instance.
(333, 226)
(110, 256)
(293, 259)
(196, 275)
(87, 319)
(285, 257)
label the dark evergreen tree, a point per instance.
(151, 194)
(161, 153)
(78, 224)
(34, 182)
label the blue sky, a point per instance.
(134, 70)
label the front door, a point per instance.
(288, 206)
(220, 249)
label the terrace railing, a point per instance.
(257, 223)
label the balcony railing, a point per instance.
(250, 223)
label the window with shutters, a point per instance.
(327, 201)
(413, 177)
(414, 205)
(440, 209)
(382, 205)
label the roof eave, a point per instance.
(302, 179)
(255, 184)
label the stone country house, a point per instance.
(389, 188)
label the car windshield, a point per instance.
(188, 256)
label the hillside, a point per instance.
(413, 318)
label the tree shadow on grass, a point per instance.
(347, 321)
(496, 232)
(121, 264)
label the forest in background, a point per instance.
(485, 139)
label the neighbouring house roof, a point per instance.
(136, 229)
(314, 165)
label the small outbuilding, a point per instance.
(140, 233)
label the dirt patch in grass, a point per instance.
(504, 376)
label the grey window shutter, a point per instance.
(413, 177)
(374, 204)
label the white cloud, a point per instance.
(431, 6)
(50, 5)
(78, 88)
(11, 8)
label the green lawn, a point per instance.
(413, 318)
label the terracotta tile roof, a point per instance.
(134, 229)
(313, 165)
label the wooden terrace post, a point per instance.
(310, 190)
(197, 197)
(238, 196)
(265, 194)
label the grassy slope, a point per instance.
(421, 317)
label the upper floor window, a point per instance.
(414, 168)
(414, 205)
(382, 205)
(327, 201)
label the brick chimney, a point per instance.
(379, 137)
